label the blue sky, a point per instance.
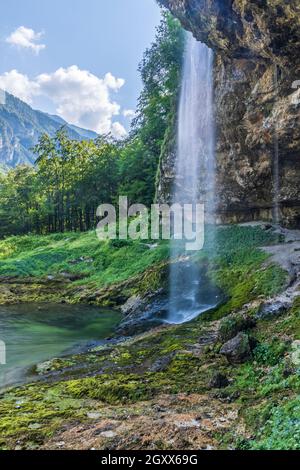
(40, 41)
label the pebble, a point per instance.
(93, 415)
(108, 434)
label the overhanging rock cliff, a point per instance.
(257, 99)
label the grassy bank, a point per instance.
(77, 267)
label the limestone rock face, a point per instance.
(257, 99)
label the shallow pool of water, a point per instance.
(35, 333)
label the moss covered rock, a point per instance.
(238, 349)
(233, 324)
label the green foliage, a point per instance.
(62, 192)
(270, 353)
(281, 430)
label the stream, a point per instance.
(35, 333)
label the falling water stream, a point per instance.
(190, 293)
(276, 184)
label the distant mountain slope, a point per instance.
(21, 127)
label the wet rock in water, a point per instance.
(45, 367)
(218, 380)
(143, 313)
(267, 227)
(234, 324)
(132, 304)
(238, 349)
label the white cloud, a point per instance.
(118, 130)
(129, 113)
(19, 85)
(113, 82)
(80, 97)
(26, 38)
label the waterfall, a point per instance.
(190, 294)
(276, 184)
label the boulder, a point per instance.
(238, 349)
(273, 309)
(162, 363)
(218, 380)
(233, 324)
(132, 304)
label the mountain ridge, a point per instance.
(21, 127)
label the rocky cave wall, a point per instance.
(257, 100)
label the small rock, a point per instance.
(93, 415)
(162, 363)
(108, 434)
(187, 424)
(238, 349)
(132, 304)
(45, 367)
(288, 370)
(159, 409)
(218, 380)
(295, 357)
(209, 447)
(34, 426)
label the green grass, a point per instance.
(281, 430)
(234, 263)
(111, 262)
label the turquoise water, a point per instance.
(35, 333)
